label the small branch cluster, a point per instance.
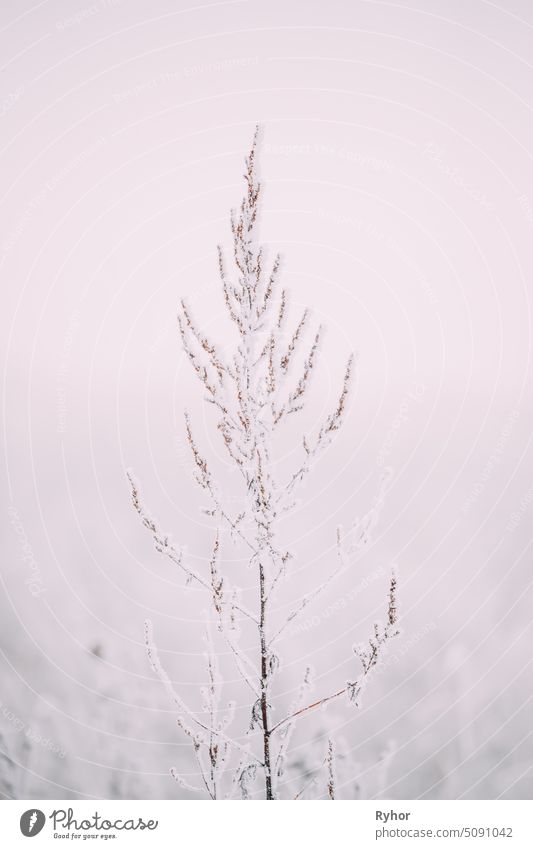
(371, 653)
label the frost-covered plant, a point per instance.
(254, 390)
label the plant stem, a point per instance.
(264, 686)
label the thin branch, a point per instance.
(185, 784)
(164, 678)
(368, 657)
(289, 728)
(330, 763)
(164, 546)
(332, 424)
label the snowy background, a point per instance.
(398, 176)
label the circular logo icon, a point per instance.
(32, 822)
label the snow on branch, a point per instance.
(199, 732)
(332, 778)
